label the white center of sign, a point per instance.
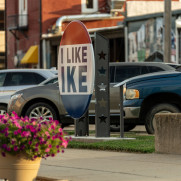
(75, 61)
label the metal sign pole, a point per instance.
(121, 113)
(82, 125)
(75, 127)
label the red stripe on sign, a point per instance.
(75, 33)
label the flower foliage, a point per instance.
(34, 138)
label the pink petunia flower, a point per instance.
(15, 148)
(65, 143)
(47, 150)
(47, 133)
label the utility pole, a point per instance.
(167, 31)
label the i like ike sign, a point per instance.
(76, 69)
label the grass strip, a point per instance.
(142, 144)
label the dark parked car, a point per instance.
(45, 100)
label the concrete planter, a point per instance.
(18, 168)
(168, 133)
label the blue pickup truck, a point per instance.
(146, 95)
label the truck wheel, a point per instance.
(41, 109)
(160, 108)
(127, 127)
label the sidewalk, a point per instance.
(90, 165)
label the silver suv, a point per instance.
(12, 80)
(45, 100)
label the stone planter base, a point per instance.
(168, 133)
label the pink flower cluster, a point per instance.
(34, 138)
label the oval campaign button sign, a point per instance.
(76, 69)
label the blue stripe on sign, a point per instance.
(76, 105)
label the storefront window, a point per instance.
(145, 41)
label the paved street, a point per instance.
(89, 165)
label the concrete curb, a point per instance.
(90, 139)
(48, 179)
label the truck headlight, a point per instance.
(132, 94)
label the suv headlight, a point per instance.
(16, 96)
(124, 91)
(132, 94)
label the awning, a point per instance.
(31, 56)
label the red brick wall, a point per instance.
(52, 10)
(26, 38)
(103, 6)
(33, 32)
(11, 9)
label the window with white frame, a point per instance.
(23, 13)
(89, 6)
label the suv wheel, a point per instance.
(160, 108)
(3, 109)
(41, 109)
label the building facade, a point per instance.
(97, 15)
(134, 29)
(35, 28)
(145, 31)
(23, 32)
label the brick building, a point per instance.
(23, 31)
(35, 28)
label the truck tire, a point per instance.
(127, 127)
(159, 108)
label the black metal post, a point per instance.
(102, 110)
(121, 113)
(82, 125)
